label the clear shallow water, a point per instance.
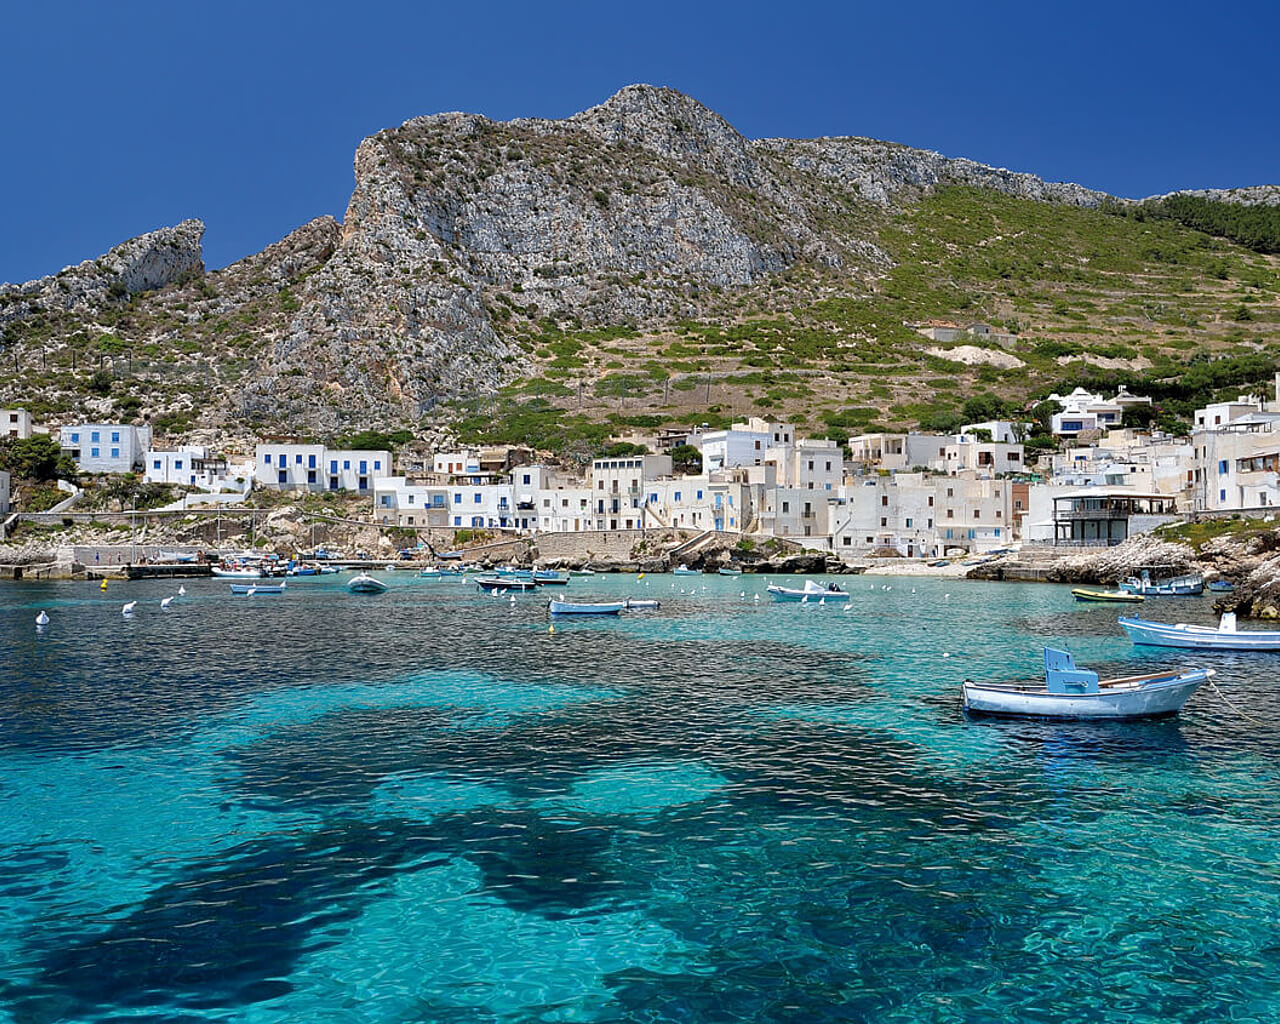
(425, 806)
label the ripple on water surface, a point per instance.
(429, 806)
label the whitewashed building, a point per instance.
(313, 467)
(743, 444)
(105, 447)
(1082, 411)
(4, 492)
(189, 465)
(397, 501)
(16, 423)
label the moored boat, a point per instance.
(512, 583)
(1223, 637)
(684, 570)
(1177, 586)
(1071, 692)
(547, 578)
(575, 608)
(728, 570)
(1119, 596)
(812, 592)
(250, 589)
(1222, 586)
(365, 584)
(643, 602)
(236, 573)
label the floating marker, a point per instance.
(102, 585)
(42, 619)
(181, 590)
(551, 628)
(166, 602)
(128, 609)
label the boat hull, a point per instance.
(1200, 638)
(570, 608)
(1115, 596)
(1160, 697)
(366, 585)
(786, 594)
(505, 583)
(257, 588)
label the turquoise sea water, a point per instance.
(427, 806)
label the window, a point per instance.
(333, 483)
(178, 464)
(525, 478)
(377, 464)
(846, 541)
(1222, 495)
(976, 514)
(75, 438)
(951, 492)
(311, 476)
(297, 459)
(115, 437)
(476, 498)
(364, 466)
(884, 521)
(884, 500)
(410, 499)
(93, 453)
(115, 453)
(311, 462)
(155, 464)
(786, 506)
(908, 524)
(457, 499)
(931, 501)
(346, 463)
(1222, 466)
(333, 465)
(653, 498)
(457, 520)
(950, 514)
(94, 436)
(677, 495)
(699, 495)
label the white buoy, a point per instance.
(946, 597)
(128, 609)
(253, 589)
(42, 619)
(181, 590)
(756, 598)
(165, 602)
(946, 654)
(847, 608)
(513, 598)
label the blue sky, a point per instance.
(123, 117)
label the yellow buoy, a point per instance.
(640, 577)
(551, 628)
(103, 585)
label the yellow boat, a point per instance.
(1123, 596)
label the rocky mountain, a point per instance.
(478, 256)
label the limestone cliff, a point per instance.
(463, 239)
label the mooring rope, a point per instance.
(1239, 711)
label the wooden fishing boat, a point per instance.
(1222, 586)
(684, 570)
(812, 593)
(547, 578)
(728, 570)
(1223, 637)
(1119, 596)
(573, 608)
(1070, 692)
(1178, 586)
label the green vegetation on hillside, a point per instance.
(1255, 226)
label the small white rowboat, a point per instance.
(1223, 637)
(1069, 692)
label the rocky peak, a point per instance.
(675, 127)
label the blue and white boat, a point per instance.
(1223, 637)
(1178, 586)
(547, 578)
(729, 570)
(573, 608)
(684, 570)
(812, 593)
(1222, 586)
(1070, 692)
